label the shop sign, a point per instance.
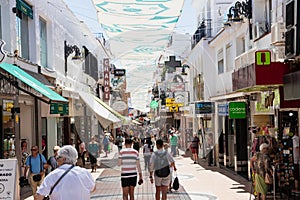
(223, 109)
(237, 110)
(24, 8)
(204, 107)
(106, 81)
(263, 57)
(119, 72)
(170, 102)
(59, 108)
(119, 106)
(8, 178)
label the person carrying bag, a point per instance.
(52, 188)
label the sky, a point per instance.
(186, 25)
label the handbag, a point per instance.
(37, 177)
(175, 185)
(47, 197)
(268, 179)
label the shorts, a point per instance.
(195, 150)
(162, 181)
(131, 181)
(105, 147)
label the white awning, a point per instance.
(104, 116)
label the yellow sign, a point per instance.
(169, 102)
(263, 57)
(173, 109)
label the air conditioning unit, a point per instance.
(259, 29)
(277, 33)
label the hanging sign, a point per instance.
(204, 107)
(237, 110)
(263, 57)
(106, 81)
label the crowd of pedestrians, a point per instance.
(50, 178)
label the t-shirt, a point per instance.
(153, 157)
(78, 178)
(129, 157)
(296, 151)
(147, 150)
(93, 148)
(195, 143)
(35, 163)
(174, 140)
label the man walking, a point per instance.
(129, 161)
(173, 142)
(160, 163)
(77, 184)
(35, 162)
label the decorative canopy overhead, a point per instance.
(138, 31)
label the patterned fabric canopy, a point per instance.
(138, 31)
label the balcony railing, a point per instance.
(203, 31)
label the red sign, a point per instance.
(106, 81)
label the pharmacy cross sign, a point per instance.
(172, 64)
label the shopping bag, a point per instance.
(98, 161)
(268, 179)
(175, 183)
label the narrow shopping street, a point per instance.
(196, 182)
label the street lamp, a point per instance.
(68, 50)
(241, 8)
(183, 72)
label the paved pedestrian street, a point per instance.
(196, 183)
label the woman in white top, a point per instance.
(148, 149)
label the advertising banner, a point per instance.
(8, 178)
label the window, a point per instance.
(229, 58)
(22, 35)
(220, 62)
(240, 46)
(43, 42)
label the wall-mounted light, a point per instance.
(68, 50)
(241, 9)
(183, 69)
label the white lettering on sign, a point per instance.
(106, 81)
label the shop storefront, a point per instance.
(20, 101)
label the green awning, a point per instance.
(45, 94)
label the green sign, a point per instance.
(24, 8)
(153, 104)
(237, 110)
(59, 108)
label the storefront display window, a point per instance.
(8, 148)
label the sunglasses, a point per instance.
(33, 149)
(58, 157)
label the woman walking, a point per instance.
(147, 150)
(195, 148)
(260, 165)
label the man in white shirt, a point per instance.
(77, 184)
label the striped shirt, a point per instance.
(129, 158)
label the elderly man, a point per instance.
(80, 180)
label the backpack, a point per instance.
(161, 165)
